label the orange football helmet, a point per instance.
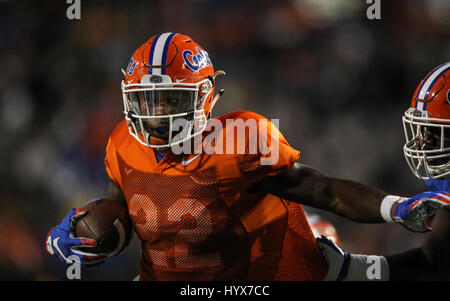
(168, 90)
(427, 126)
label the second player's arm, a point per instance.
(305, 185)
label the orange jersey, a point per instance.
(196, 220)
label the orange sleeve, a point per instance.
(272, 156)
(279, 155)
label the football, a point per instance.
(108, 223)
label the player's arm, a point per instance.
(353, 200)
(310, 187)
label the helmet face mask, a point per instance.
(171, 113)
(427, 148)
(167, 91)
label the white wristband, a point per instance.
(386, 207)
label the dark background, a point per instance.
(338, 82)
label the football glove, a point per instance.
(62, 243)
(343, 266)
(416, 212)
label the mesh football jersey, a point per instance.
(196, 220)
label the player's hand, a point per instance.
(62, 243)
(416, 212)
(343, 266)
(338, 260)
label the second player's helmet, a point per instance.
(168, 90)
(427, 126)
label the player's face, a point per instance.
(162, 103)
(429, 138)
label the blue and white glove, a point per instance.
(343, 266)
(414, 213)
(62, 243)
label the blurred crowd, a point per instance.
(337, 81)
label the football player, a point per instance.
(218, 215)
(427, 151)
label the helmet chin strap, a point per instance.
(151, 140)
(216, 98)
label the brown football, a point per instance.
(108, 223)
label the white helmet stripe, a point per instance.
(158, 53)
(420, 105)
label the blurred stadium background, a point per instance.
(338, 82)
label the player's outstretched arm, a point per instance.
(306, 185)
(353, 200)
